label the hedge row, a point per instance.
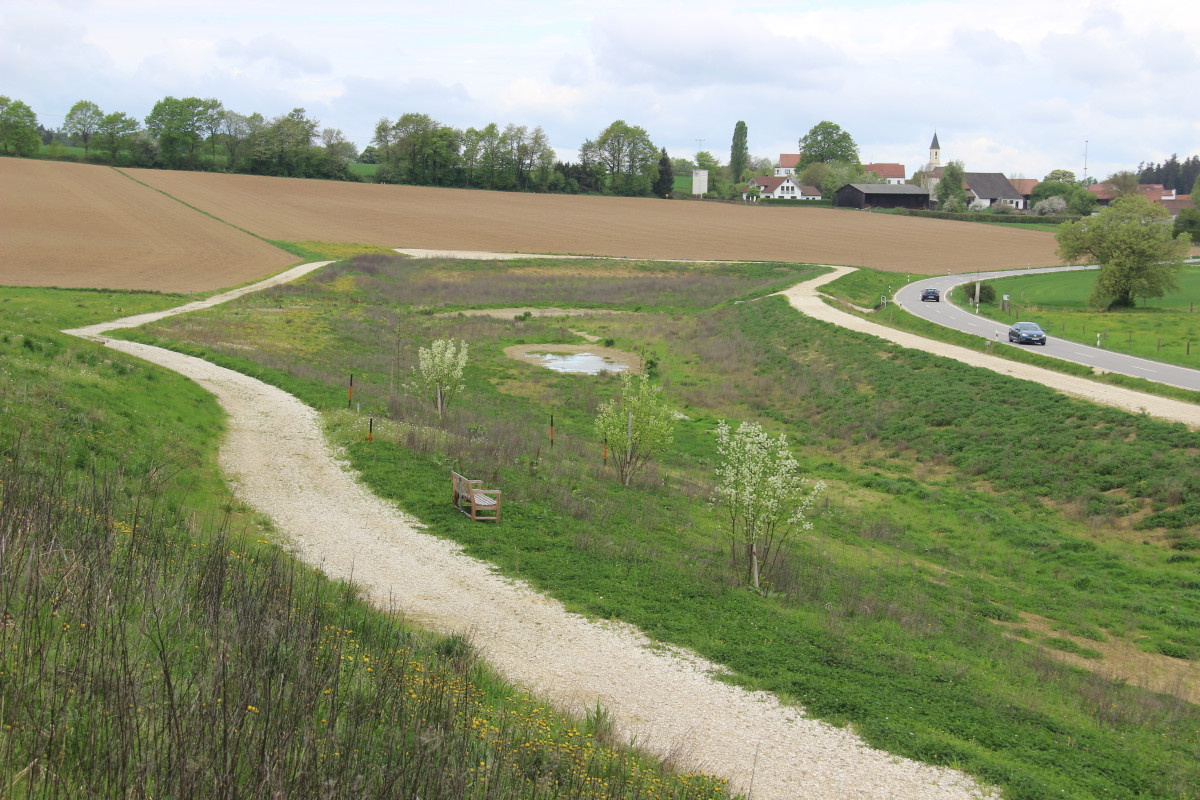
(976, 216)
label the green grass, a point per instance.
(944, 512)
(154, 642)
(683, 185)
(1162, 328)
(363, 170)
(864, 286)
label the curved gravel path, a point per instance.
(279, 462)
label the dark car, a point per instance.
(1027, 333)
(931, 294)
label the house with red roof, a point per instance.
(1154, 192)
(779, 188)
(787, 164)
(1025, 187)
(892, 173)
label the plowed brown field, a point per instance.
(73, 225)
(76, 225)
(412, 216)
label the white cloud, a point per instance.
(1019, 85)
(282, 55)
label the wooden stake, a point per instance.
(350, 399)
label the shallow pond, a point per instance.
(579, 363)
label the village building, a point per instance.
(881, 195)
(992, 189)
(779, 188)
(892, 173)
(1154, 192)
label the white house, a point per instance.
(779, 188)
(787, 164)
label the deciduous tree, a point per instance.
(629, 158)
(115, 132)
(1132, 240)
(765, 499)
(950, 188)
(1077, 199)
(441, 368)
(1123, 183)
(235, 129)
(636, 426)
(18, 128)
(1059, 176)
(1188, 221)
(827, 142)
(82, 122)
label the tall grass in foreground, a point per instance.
(142, 655)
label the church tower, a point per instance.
(935, 153)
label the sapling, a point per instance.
(441, 367)
(765, 499)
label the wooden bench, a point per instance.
(473, 500)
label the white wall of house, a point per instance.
(699, 181)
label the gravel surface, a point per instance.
(279, 462)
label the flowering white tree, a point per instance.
(441, 367)
(765, 499)
(636, 426)
(1051, 205)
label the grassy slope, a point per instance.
(135, 594)
(937, 523)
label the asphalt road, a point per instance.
(951, 316)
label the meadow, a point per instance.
(154, 641)
(1162, 328)
(1009, 593)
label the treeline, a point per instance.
(417, 149)
(1172, 173)
(194, 133)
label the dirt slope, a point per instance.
(410, 216)
(76, 225)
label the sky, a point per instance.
(1020, 87)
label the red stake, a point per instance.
(350, 401)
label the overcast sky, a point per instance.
(1017, 86)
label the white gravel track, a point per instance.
(278, 462)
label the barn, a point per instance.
(881, 195)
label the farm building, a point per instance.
(779, 188)
(881, 195)
(992, 189)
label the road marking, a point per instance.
(1143, 369)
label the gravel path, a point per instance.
(278, 461)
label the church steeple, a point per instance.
(935, 152)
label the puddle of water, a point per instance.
(579, 363)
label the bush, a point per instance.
(987, 292)
(1051, 205)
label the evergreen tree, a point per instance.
(665, 182)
